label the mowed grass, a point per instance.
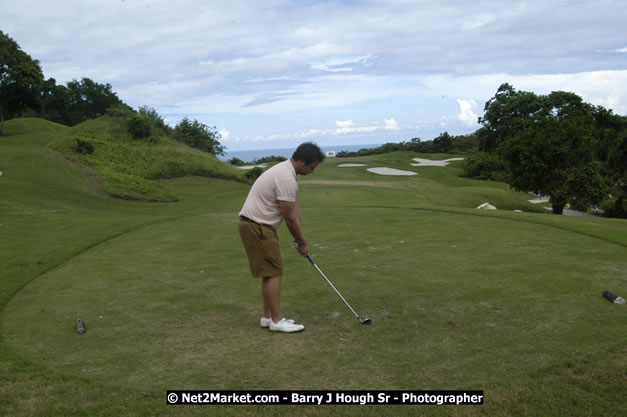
(506, 302)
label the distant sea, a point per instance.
(252, 155)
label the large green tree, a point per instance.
(506, 114)
(550, 145)
(21, 78)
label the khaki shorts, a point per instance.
(262, 247)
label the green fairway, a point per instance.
(501, 301)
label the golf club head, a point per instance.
(367, 320)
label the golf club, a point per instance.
(366, 320)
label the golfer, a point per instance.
(272, 199)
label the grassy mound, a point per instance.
(28, 125)
(127, 168)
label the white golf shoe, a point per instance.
(286, 326)
(264, 322)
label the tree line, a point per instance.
(25, 92)
(444, 143)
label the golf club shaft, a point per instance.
(332, 286)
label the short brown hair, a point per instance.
(308, 152)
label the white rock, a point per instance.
(486, 206)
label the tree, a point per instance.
(609, 128)
(54, 102)
(200, 136)
(612, 133)
(617, 165)
(485, 166)
(20, 78)
(443, 143)
(506, 114)
(139, 127)
(149, 113)
(88, 99)
(555, 152)
(464, 144)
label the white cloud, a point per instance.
(476, 22)
(390, 124)
(466, 113)
(338, 64)
(605, 88)
(281, 60)
(356, 129)
(343, 124)
(311, 133)
(621, 50)
(224, 134)
(348, 127)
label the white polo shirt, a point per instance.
(279, 183)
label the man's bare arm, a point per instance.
(291, 213)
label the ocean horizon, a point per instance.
(255, 154)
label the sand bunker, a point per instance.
(252, 166)
(390, 171)
(540, 200)
(430, 163)
(351, 165)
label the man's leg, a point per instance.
(271, 290)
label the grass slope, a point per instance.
(127, 168)
(461, 299)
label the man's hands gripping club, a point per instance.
(303, 251)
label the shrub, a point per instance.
(139, 127)
(84, 147)
(120, 110)
(254, 173)
(236, 161)
(268, 159)
(615, 207)
(485, 166)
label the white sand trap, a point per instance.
(431, 163)
(351, 165)
(252, 166)
(390, 171)
(539, 200)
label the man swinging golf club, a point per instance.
(272, 199)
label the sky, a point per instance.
(275, 73)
